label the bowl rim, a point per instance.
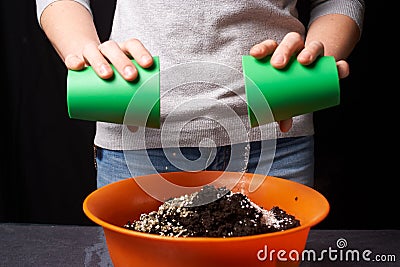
(121, 230)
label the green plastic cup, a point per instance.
(277, 94)
(91, 98)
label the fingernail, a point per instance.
(145, 59)
(278, 59)
(305, 56)
(103, 69)
(129, 71)
(256, 49)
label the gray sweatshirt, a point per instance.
(200, 44)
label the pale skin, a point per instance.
(71, 30)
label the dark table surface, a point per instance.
(69, 245)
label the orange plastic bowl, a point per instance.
(115, 204)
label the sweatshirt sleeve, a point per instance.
(352, 8)
(42, 4)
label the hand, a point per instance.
(110, 52)
(293, 44)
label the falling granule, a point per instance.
(212, 212)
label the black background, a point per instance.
(47, 167)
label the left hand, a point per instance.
(292, 44)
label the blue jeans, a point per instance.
(293, 159)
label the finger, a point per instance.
(112, 51)
(312, 51)
(263, 49)
(136, 49)
(291, 44)
(133, 128)
(343, 69)
(96, 59)
(285, 125)
(74, 62)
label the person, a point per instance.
(217, 32)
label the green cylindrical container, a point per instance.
(91, 98)
(291, 91)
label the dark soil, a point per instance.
(213, 212)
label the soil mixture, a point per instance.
(212, 212)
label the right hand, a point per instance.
(110, 52)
